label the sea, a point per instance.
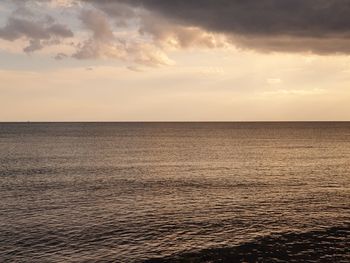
(175, 192)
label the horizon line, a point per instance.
(183, 121)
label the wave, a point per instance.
(326, 245)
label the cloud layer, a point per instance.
(318, 26)
(145, 31)
(315, 18)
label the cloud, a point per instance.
(103, 43)
(100, 42)
(161, 31)
(110, 30)
(33, 46)
(267, 25)
(264, 17)
(173, 35)
(134, 68)
(38, 32)
(60, 56)
(17, 28)
(98, 23)
(125, 32)
(146, 31)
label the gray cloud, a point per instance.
(101, 40)
(37, 32)
(60, 56)
(269, 25)
(261, 17)
(33, 46)
(103, 43)
(162, 31)
(98, 23)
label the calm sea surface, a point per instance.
(128, 192)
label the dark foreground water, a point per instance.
(175, 192)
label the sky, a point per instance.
(174, 60)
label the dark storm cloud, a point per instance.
(271, 25)
(312, 18)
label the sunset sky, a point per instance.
(176, 60)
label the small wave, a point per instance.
(329, 245)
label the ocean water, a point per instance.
(131, 192)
